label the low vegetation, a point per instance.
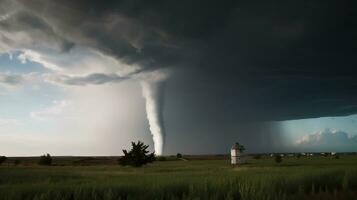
(17, 162)
(45, 160)
(278, 159)
(303, 178)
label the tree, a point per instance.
(137, 156)
(179, 156)
(2, 159)
(240, 147)
(45, 159)
(278, 159)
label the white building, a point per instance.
(236, 154)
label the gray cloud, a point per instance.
(91, 79)
(20, 27)
(327, 140)
(11, 79)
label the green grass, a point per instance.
(304, 178)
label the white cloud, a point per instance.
(328, 140)
(5, 121)
(11, 79)
(51, 112)
(103, 78)
(35, 56)
(80, 61)
(81, 66)
(91, 79)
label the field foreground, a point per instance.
(303, 178)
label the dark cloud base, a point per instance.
(278, 60)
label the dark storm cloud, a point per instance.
(256, 60)
(37, 28)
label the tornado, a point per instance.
(153, 92)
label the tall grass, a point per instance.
(262, 179)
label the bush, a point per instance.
(179, 155)
(337, 156)
(257, 157)
(161, 158)
(278, 159)
(298, 155)
(137, 156)
(45, 160)
(2, 159)
(17, 162)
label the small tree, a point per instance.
(45, 159)
(179, 156)
(17, 162)
(2, 159)
(278, 159)
(137, 156)
(241, 148)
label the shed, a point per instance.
(237, 154)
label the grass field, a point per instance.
(303, 178)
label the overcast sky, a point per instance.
(89, 77)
